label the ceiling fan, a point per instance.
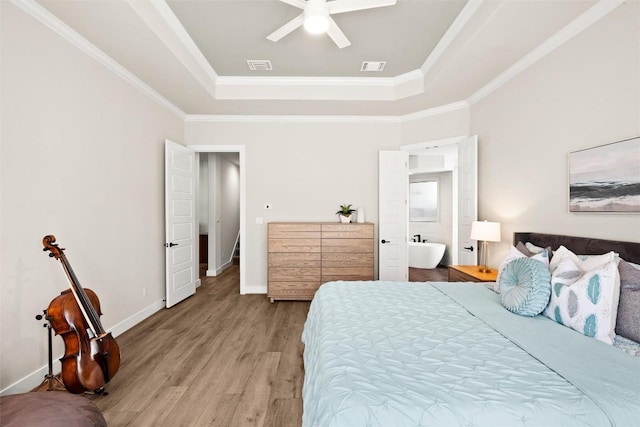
(316, 17)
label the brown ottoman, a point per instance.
(50, 409)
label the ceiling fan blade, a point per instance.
(286, 28)
(337, 35)
(341, 6)
(300, 4)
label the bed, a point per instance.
(449, 354)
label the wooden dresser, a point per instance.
(303, 255)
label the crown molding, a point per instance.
(572, 29)
(51, 21)
(204, 118)
(447, 108)
(166, 25)
(452, 32)
(320, 88)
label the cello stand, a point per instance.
(54, 382)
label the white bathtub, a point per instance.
(425, 254)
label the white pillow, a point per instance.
(533, 248)
(514, 253)
(584, 262)
(585, 301)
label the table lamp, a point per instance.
(485, 231)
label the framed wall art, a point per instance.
(605, 178)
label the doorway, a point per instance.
(218, 211)
(219, 251)
(394, 229)
(454, 159)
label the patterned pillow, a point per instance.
(513, 254)
(585, 301)
(525, 286)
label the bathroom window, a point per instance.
(423, 201)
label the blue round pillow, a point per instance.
(525, 286)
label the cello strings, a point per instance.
(83, 302)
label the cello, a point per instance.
(92, 356)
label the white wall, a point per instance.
(203, 195)
(584, 94)
(229, 207)
(435, 125)
(81, 158)
(306, 170)
(223, 210)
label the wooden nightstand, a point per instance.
(470, 273)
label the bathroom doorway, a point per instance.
(442, 205)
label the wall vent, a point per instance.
(373, 66)
(259, 64)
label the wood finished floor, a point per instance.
(216, 359)
(438, 274)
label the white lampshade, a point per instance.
(485, 231)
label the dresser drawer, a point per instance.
(302, 259)
(291, 274)
(347, 231)
(347, 245)
(294, 245)
(294, 231)
(299, 290)
(330, 274)
(347, 259)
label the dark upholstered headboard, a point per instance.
(629, 251)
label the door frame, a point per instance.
(241, 150)
(420, 147)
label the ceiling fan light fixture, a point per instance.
(316, 17)
(316, 24)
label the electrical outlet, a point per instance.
(144, 291)
(268, 206)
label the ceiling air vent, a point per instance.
(373, 66)
(259, 64)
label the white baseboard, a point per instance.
(138, 317)
(36, 378)
(219, 270)
(255, 290)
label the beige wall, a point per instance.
(584, 94)
(435, 125)
(81, 158)
(306, 170)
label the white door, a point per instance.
(467, 199)
(393, 185)
(180, 222)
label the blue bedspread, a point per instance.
(447, 354)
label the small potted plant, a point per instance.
(345, 213)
